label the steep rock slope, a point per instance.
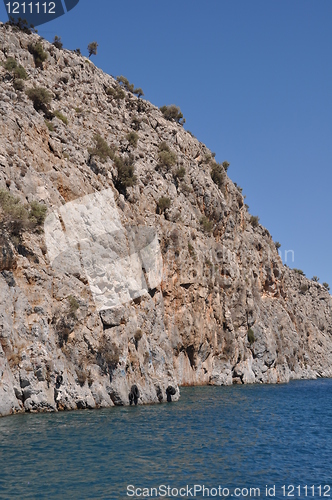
(169, 282)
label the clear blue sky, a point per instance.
(254, 82)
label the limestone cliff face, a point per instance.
(113, 292)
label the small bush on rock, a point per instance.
(218, 175)
(92, 49)
(132, 138)
(10, 64)
(38, 53)
(206, 224)
(37, 213)
(173, 113)
(40, 97)
(251, 336)
(163, 203)
(16, 217)
(20, 73)
(180, 173)
(57, 42)
(326, 285)
(254, 220)
(167, 158)
(19, 85)
(49, 126)
(101, 149)
(298, 271)
(61, 117)
(126, 173)
(116, 93)
(225, 164)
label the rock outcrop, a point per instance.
(117, 290)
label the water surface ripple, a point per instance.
(241, 436)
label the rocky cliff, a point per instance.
(146, 269)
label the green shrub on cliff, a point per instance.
(251, 336)
(17, 217)
(173, 113)
(132, 138)
(163, 203)
(39, 55)
(10, 64)
(19, 85)
(20, 73)
(180, 173)
(166, 157)
(218, 174)
(126, 173)
(61, 117)
(326, 285)
(116, 93)
(206, 224)
(101, 149)
(40, 97)
(254, 221)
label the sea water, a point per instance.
(267, 441)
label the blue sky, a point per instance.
(253, 80)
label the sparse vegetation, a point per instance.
(225, 164)
(139, 92)
(39, 55)
(40, 97)
(92, 49)
(251, 336)
(166, 157)
(254, 221)
(180, 173)
(191, 249)
(122, 80)
(315, 278)
(101, 149)
(218, 174)
(19, 85)
(173, 113)
(136, 123)
(10, 64)
(49, 125)
(126, 173)
(117, 93)
(278, 245)
(163, 203)
(77, 51)
(61, 117)
(298, 271)
(326, 285)
(57, 42)
(22, 25)
(16, 217)
(206, 224)
(304, 288)
(37, 213)
(132, 138)
(73, 304)
(20, 73)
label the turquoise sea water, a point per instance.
(232, 437)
